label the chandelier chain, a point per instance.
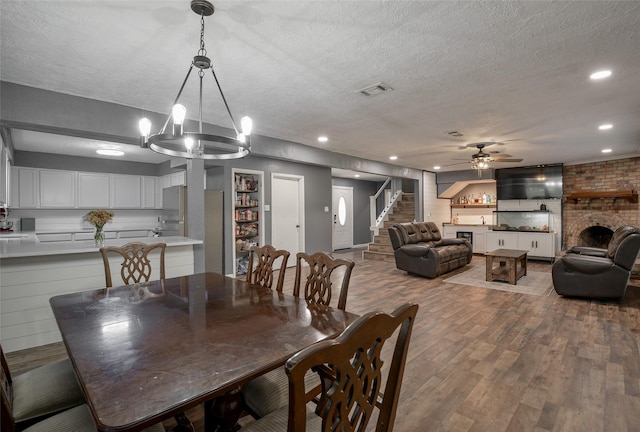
(202, 51)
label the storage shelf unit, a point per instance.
(247, 212)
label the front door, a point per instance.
(342, 217)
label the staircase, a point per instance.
(381, 249)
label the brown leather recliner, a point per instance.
(598, 273)
(419, 248)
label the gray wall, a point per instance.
(317, 182)
(362, 190)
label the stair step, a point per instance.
(379, 256)
(373, 247)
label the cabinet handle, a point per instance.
(532, 246)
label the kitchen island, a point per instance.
(32, 271)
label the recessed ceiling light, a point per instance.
(600, 74)
(606, 150)
(323, 139)
(393, 157)
(605, 126)
(436, 167)
(356, 175)
(110, 152)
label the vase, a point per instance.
(98, 237)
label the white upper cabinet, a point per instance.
(126, 191)
(150, 192)
(57, 189)
(178, 178)
(93, 190)
(24, 187)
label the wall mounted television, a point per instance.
(533, 182)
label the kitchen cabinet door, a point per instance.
(93, 190)
(479, 242)
(57, 189)
(449, 232)
(126, 191)
(538, 245)
(149, 192)
(24, 188)
(501, 240)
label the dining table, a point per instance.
(146, 352)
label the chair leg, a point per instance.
(183, 424)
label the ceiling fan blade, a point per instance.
(499, 155)
(508, 160)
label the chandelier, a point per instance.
(200, 145)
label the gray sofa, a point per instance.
(419, 249)
(598, 273)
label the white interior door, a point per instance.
(342, 217)
(287, 214)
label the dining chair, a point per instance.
(263, 262)
(316, 275)
(38, 393)
(353, 383)
(136, 265)
(135, 268)
(77, 419)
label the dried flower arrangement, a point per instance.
(98, 218)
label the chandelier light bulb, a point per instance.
(242, 138)
(145, 127)
(247, 125)
(188, 143)
(179, 113)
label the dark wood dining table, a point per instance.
(146, 352)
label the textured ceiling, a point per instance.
(510, 71)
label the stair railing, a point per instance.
(384, 202)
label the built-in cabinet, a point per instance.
(478, 233)
(50, 189)
(538, 245)
(247, 210)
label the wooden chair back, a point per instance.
(350, 369)
(319, 277)
(263, 264)
(7, 422)
(136, 265)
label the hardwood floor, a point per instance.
(488, 360)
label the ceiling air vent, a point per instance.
(455, 134)
(375, 89)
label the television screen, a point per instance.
(535, 182)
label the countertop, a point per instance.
(467, 224)
(17, 244)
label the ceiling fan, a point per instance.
(482, 159)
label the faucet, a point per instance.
(482, 217)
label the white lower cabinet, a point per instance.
(538, 245)
(478, 235)
(501, 240)
(541, 245)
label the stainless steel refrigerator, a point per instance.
(173, 222)
(174, 211)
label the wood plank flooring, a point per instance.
(487, 360)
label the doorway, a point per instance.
(342, 217)
(287, 213)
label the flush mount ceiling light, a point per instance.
(605, 126)
(200, 145)
(110, 152)
(600, 75)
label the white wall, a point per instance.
(435, 209)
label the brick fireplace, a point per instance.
(587, 219)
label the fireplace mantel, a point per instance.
(629, 195)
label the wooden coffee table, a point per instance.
(512, 265)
